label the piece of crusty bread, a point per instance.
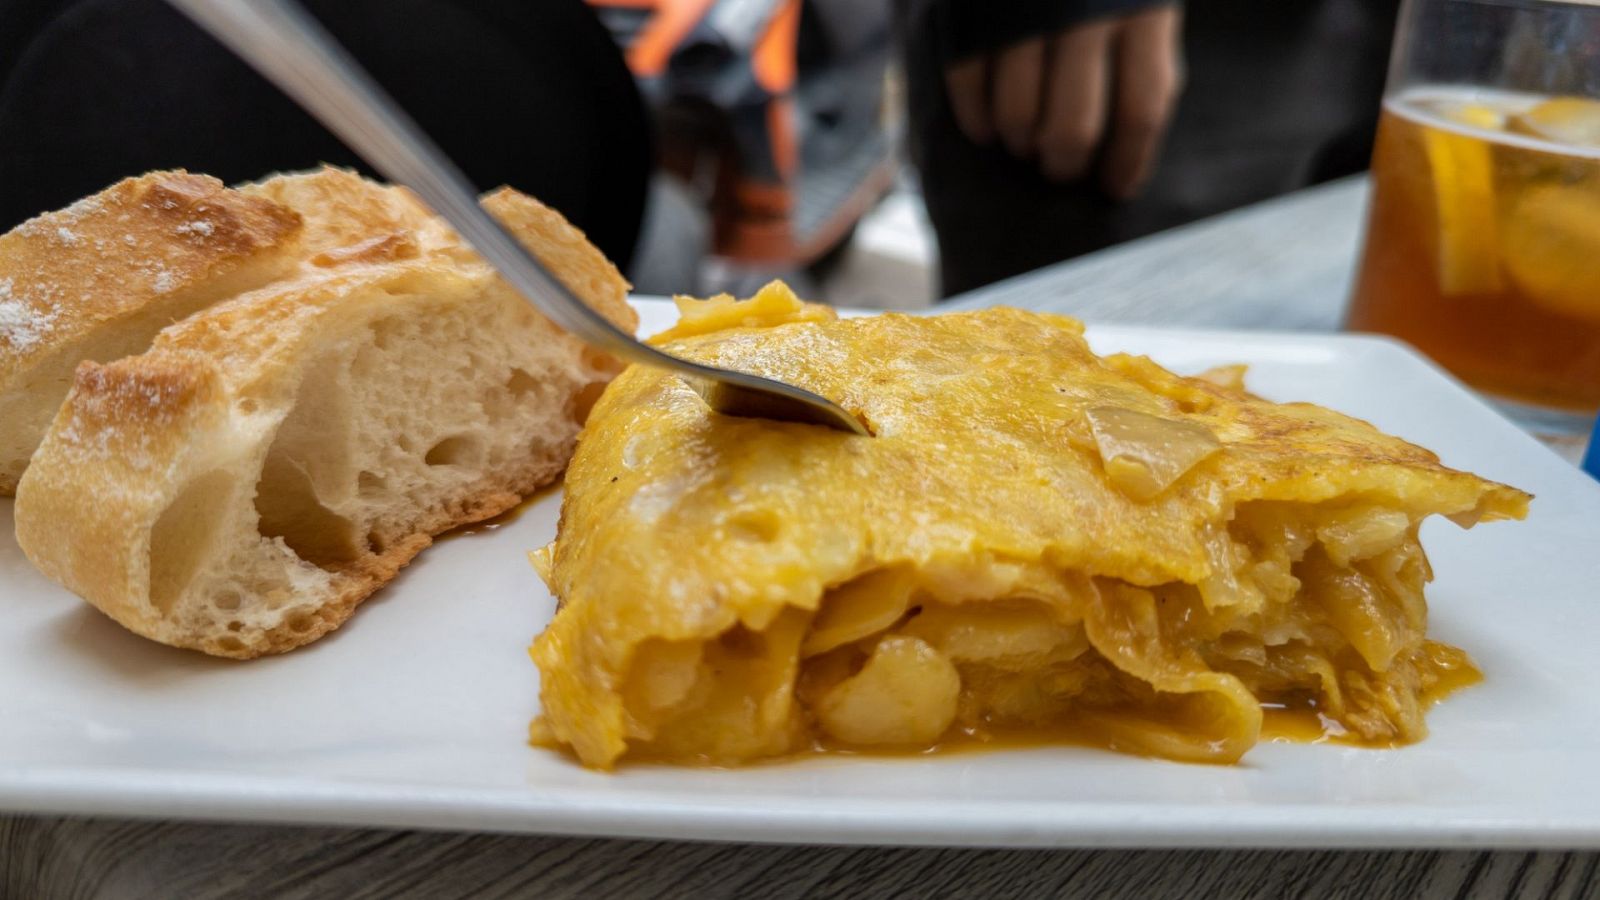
(273, 460)
(351, 219)
(98, 279)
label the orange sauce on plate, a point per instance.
(1303, 723)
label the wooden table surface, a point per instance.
(1284, 264)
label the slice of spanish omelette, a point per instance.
(1035, 540)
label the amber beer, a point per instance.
(1483, 241)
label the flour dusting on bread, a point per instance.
(22, 325)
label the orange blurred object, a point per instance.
(725, 81)
(670, 22)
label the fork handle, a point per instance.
(285, 44)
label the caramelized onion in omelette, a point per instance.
(1036, 539)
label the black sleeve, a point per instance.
(969, 27)
(530, 94)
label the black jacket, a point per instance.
(531, 93)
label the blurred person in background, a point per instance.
(1044, 129)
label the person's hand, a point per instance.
(1058, 99)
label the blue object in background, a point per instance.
(1591, 460)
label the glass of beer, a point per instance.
(1483, 235)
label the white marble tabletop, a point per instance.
(1284, 264)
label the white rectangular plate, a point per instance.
(415, 714)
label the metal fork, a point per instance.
(285, 44)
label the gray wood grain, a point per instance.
(1282, 264)
(112, 860)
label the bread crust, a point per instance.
(111, 270)
(110, 254)
(343, 209)
(566, 252)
